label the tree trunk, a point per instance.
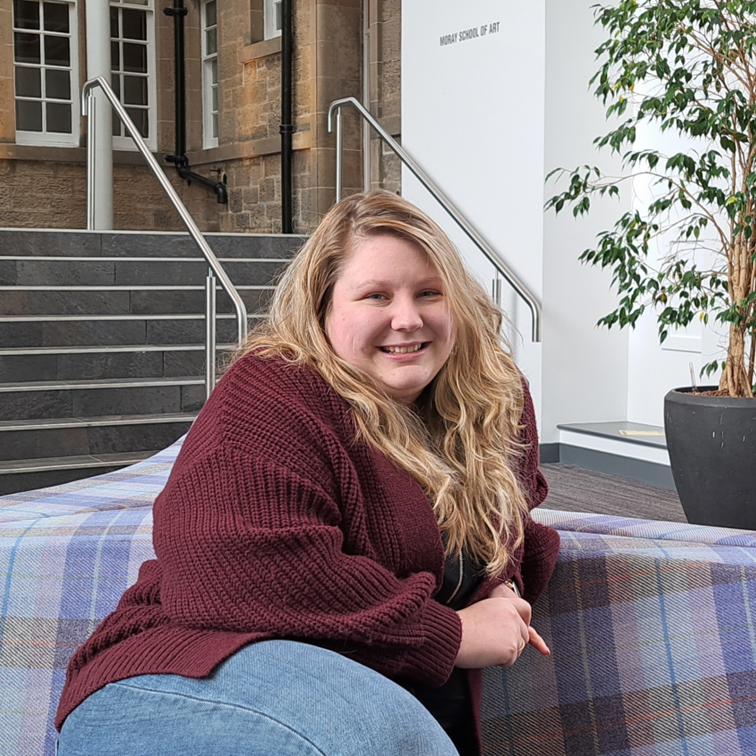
(735, 376)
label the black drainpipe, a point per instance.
(286, 128)
(179, 158)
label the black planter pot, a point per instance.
(712, 451)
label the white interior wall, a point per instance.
(584, 366)
(473, 118)
(487, 117)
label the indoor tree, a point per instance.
(686, 67)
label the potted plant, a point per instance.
(689, 69)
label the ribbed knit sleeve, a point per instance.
(268, 526)
(541, 544)
(539, 558)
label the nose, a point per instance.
(406, 315)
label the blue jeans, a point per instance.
(275, 698)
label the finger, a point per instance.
(523, 609)
(538, 643)
(521, 606)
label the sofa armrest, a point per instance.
(653, 647)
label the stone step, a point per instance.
(23, 475)
(91, 330)
(131, 271)
(39, 400)
(117, 361)
(77, 243)
(82, 436)
(112, 322)
(124, 300)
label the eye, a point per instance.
(429, 293)
(375, 296)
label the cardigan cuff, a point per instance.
(433, 660)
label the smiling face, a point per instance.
(389, 316)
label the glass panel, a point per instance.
(58, 118)
(28, 115)
(211, 41)
(215, 125)
(28, 82)
(215, 100)
(279, 20)
(214, 70)
(25, 14)
(210, 14)
(115, 57)
(134, 24)
(141, 120)
(57, 84)
(57, 51)
(26, 47)
(115, 82)
(134, 58)
(116, 130)
(56, 17)
(135, 90)
(114, 23)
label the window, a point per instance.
(209, 74)
(45, 73)
(132, 65)
(273, 23)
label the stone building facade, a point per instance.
(43, 137)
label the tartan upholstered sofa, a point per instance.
(651, 625)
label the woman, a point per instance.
(344, 533)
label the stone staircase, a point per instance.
(102, 343)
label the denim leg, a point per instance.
(275, 698)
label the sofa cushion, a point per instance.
(650, 624)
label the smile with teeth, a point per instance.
(402, 349)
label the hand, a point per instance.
(495, 630)
(524, 610)
(493, 633)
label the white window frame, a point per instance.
(208, 140)
(125, 142)
(44, 138)
(271, 12)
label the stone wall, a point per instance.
(7, 109)
(327, 65)
(385, 90)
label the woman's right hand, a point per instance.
(495, 631)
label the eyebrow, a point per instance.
(435, 280)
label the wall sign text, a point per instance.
(474, 32)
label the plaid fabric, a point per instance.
(67, 553)
(650, 624)
(651, 627)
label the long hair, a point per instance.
(461, 441)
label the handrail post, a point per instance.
(209, 332)
(90, 110)
(339, 148)
(493, 257)
(496, 289)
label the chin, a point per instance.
(403, 394)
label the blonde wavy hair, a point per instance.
(461, 440)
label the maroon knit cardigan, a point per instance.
(275, 523)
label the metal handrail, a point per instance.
(493, 256)
(88, 109)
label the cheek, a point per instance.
(350, 335)
(444, 327)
